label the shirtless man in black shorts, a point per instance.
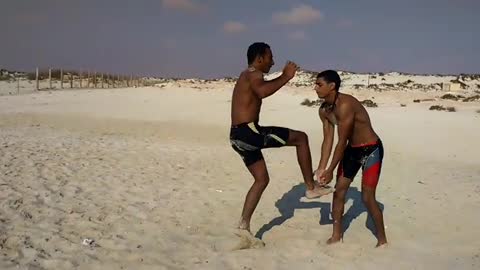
(247, 137)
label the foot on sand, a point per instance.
(318, 191)
(334, 240)
(247, 240)
(381, 244)
(243, 225)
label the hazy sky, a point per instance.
(194, 38)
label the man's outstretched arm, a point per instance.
(345, 118)
(264, 88)
(327, 144)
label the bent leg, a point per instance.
(341, 188)
(261, 179)
(300, 140)
(368, 197)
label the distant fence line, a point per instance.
(79, 79)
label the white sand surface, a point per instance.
(149, 175)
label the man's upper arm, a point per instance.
(327, 126)
(345, 119)
(256, 82)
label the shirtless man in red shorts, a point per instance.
(358, 147)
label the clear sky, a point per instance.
(209, 38)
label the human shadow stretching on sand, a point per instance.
(291, 201)
(287, 205)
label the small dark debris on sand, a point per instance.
(441, 108)
(369, 103)
(421, 100)
(309, 103)
(452, 97)
(472, 98)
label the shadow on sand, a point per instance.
(291, 201)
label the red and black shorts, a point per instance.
(369, 157)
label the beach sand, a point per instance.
(148, 175)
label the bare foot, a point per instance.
(382, 244)
(334, 239)
(318, 191)
(247, 240)
(243, 225)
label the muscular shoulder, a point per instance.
(247, 79)
(348, 102)
(322, 113)
(353, 100)
(252, 75)
(346, 106)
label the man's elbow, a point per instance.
(342, 143)
(263, 93)
(328, 136)
(259, 92)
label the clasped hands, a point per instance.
(323, 176)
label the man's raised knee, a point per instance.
(298, 137)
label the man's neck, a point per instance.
(331, 98)
(253, 68)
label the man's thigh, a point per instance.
(274, 136)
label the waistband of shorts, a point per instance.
(245, 124)
(377, 142)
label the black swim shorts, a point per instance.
(247, 139)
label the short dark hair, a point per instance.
(331, 76)
(256, 49)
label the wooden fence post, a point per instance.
(80, 75)
(50, 78)
(36, 80)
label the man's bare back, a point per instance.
(245, 103)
